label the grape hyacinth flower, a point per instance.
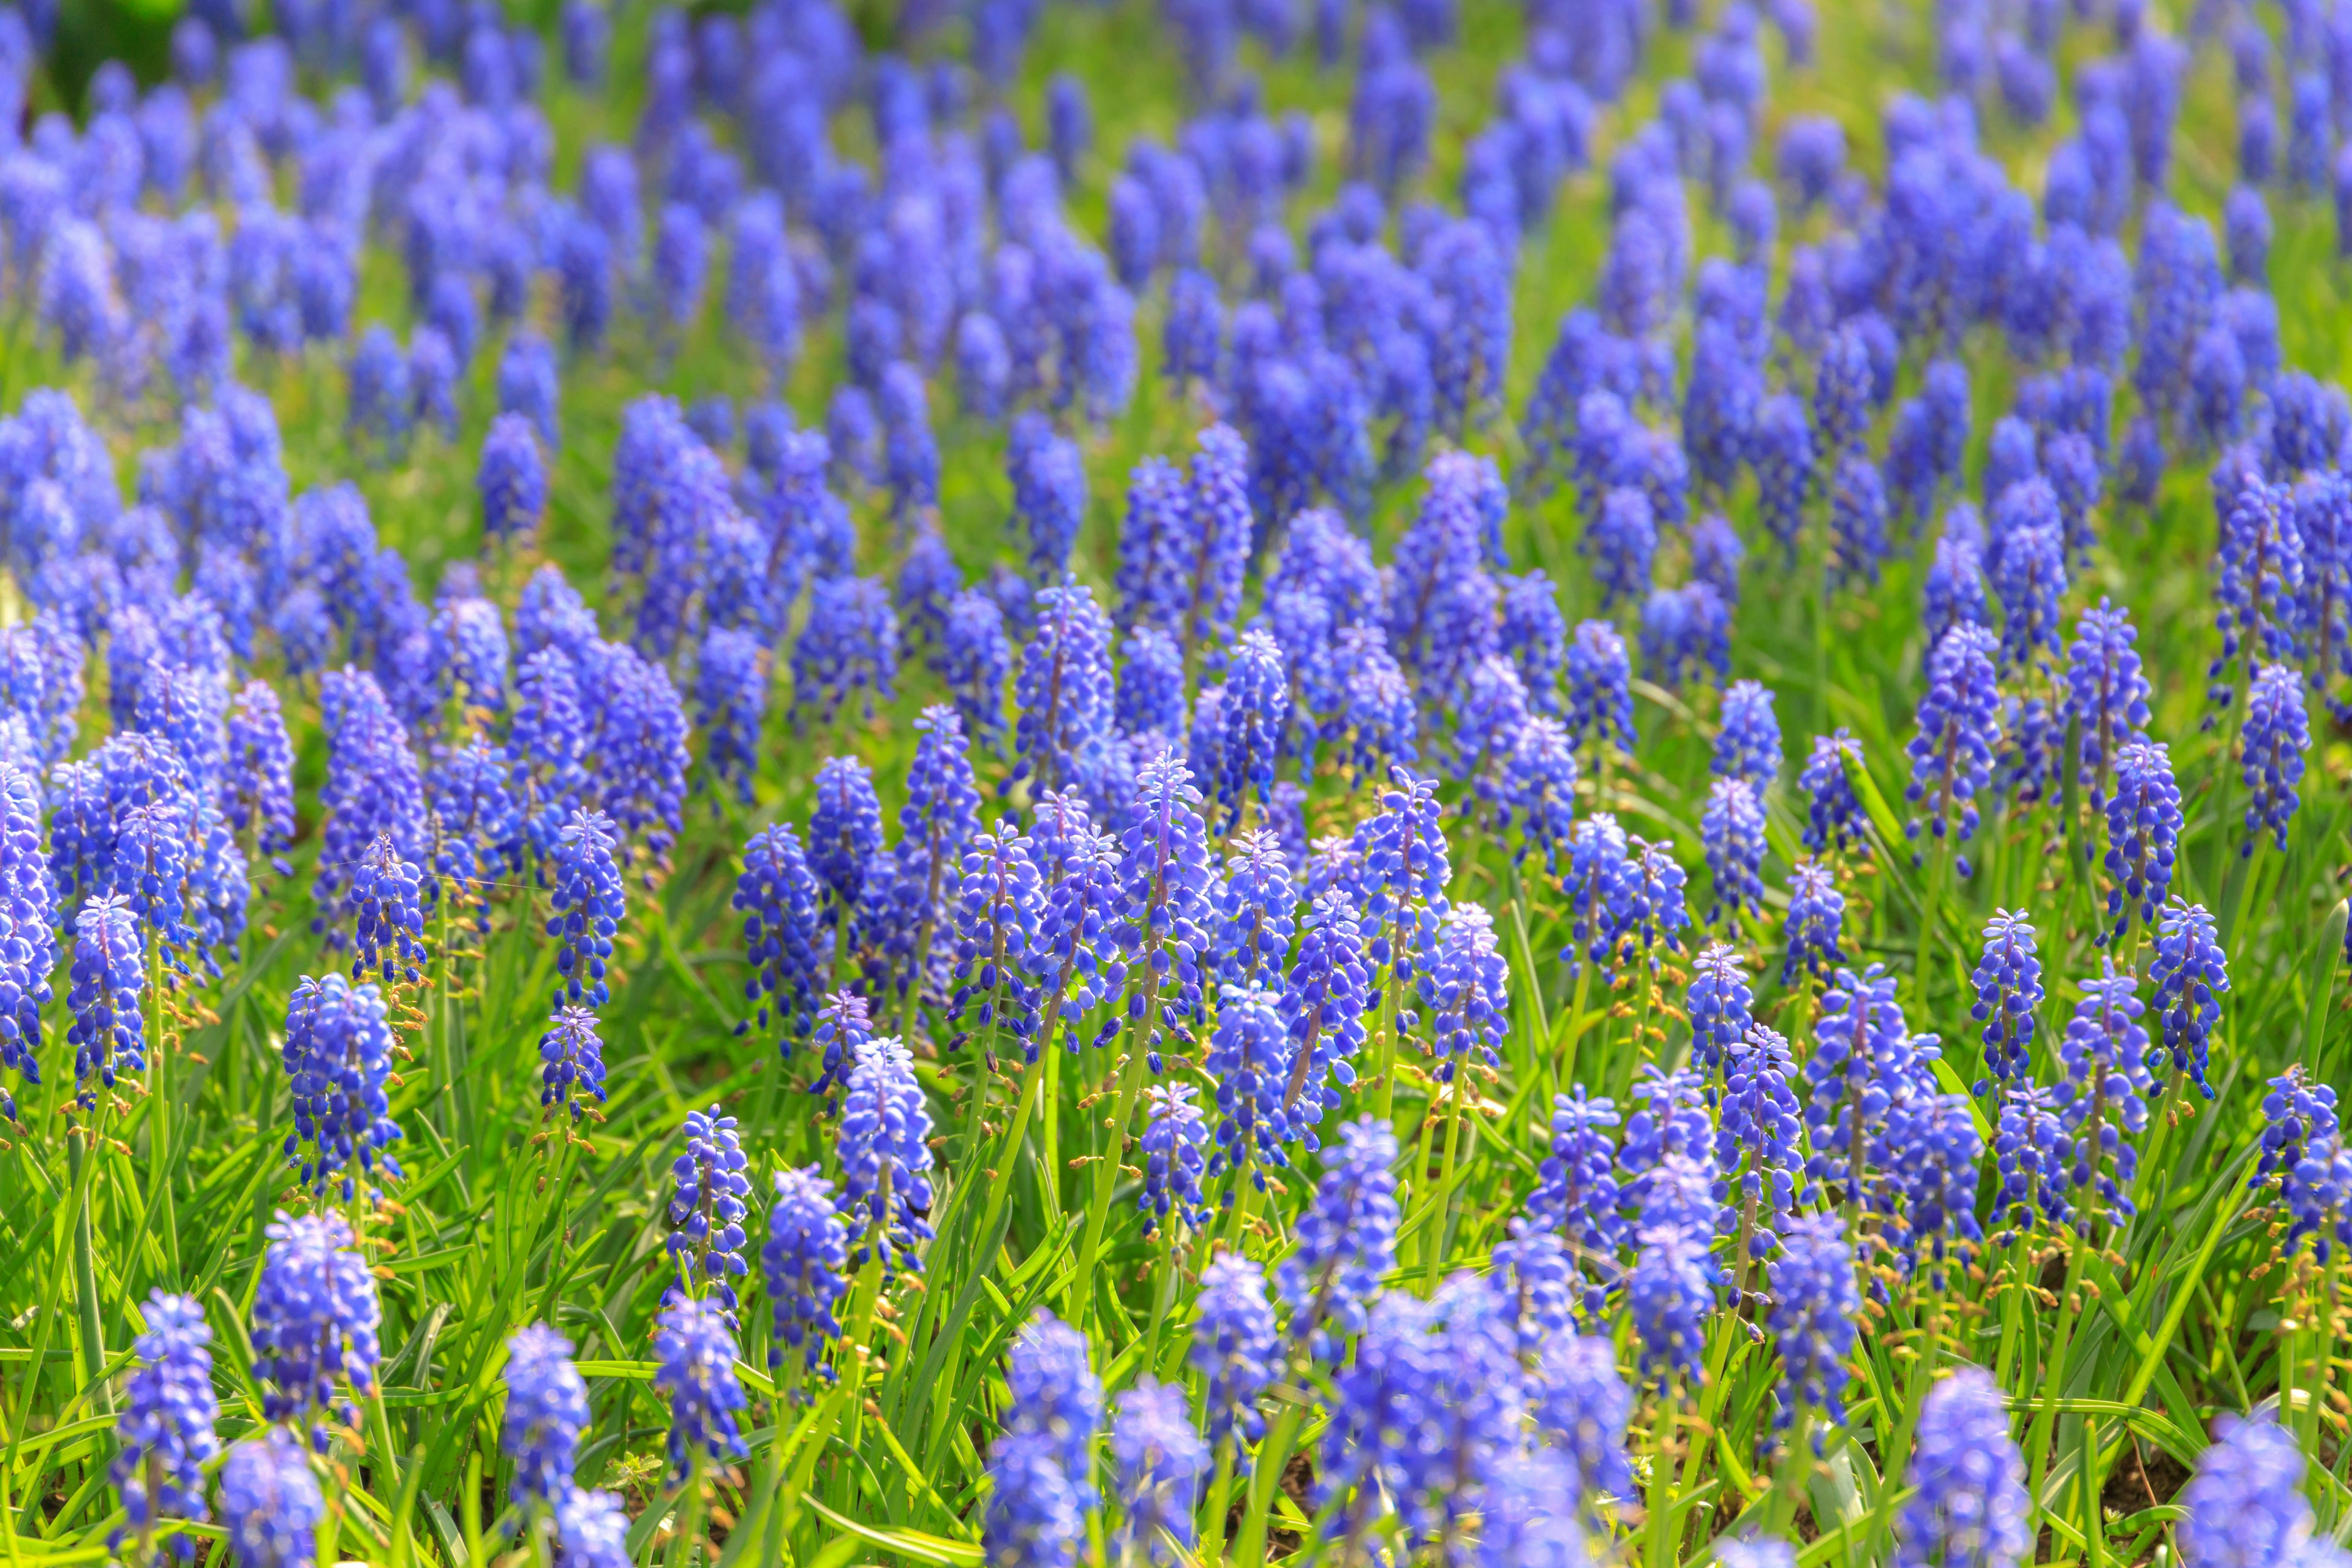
(2105, 699)
(28, 920)
(1599, 681)
(1816, 920)
(1833, 815)
(884, 1146)
(1162, 1463)
(1816, 1305)
(707, 1208)
(388, 916)
(165, 1431)
(1747, 746)
(1056, 1397)
(589, 905)
(2008, 982)
(547, 1408)
(2273, 741)
(805, 1266)
(1959, 729)
(2105, 1053)
(108, 973)
(1718, 1005)
(1033, 1515)
(512, 480)
(2144, 824)
(1174, 1135)
(1970, 1503)
(270, 1502)
(785, 942)
(1235, 1346)
(1345, 1239)
(338, 1056)
(694, 1350)
(2189, 970)
(571, 1062)
(1670, 1293)
(1731, 826)
(315, 1316)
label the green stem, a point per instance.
(1221, 1491)
(82, 1167)
(2054, 1382)
(1106, 1171)
(1435, 1238)
(1273, 1459)
(1663, 1491)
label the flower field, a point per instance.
(1015, 784)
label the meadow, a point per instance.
(1016, 783)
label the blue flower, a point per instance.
(783, 939)
(1174, 1134)
(1345, 1240)
(998, 901)
(2008, 982)
(1599, 678)
(972, 660)
(573, 1060)
(2144, 824)
(547, 1408)
(1033, 1518)
(1686, 632)
(315, 1318)
(1958, 727)
(1056, 1397)
(1718, 1005)
(1234, 1346)
(1576, 1191)
(1864, 1058)
(1970, 1503)
(1731, 825)
(1162, 1462)
(270, 1502)
(707, 1208)
(512, 480)
(2259, 567)
(389, 935)
(2105, 1053)
(1833, 816)
(1465, 988)
(848, 647)
(1747, 746)
(29, 920)
(2028, 1151)
(694, 1348)
(1579, 1400)
(108, 973)
(2105, 696)
(805, 1266)
(1049, 491)
(588, 907)
(165, 1427)
(2273, 741)
(1670, 1294)
(1858, 516)
(1623, 539)
(1815, 920)
(1815, 1303)
(1064, 692)
(1255, 712)
(884, 1147)
(1785, 462)
(2188, 970)
(338, 1057)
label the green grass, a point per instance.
(2185, 1312)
